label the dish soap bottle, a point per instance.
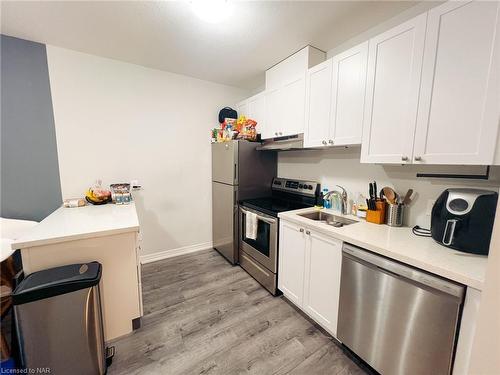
(326, 201)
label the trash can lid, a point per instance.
(56, 281)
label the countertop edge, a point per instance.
(19, 245)
(445, 273)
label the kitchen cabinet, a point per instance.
(293, 67)
(291, 262)
(318, 105)
(273, 111)
(335, 96)
(257, 110)
(438, 103)
(285, 109)
(107, 234)
(286, 93)
(242, 108)
(392, 89)
(348, 95)
(322, 279)
(458, 112)
(309, 272)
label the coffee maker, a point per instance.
(462, 219)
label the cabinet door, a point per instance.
(242, 108)
(273, 114)
(291, 262)
(318, 103)
(322, 280)
(459, 100)
(257, 110)
(393, 81)
(292, 97)
(348, 96)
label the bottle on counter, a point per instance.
(326, 201)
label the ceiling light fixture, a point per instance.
(212, 11)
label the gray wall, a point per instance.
(30, 184)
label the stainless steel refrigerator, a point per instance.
(239, 171)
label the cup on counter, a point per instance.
(394, 214)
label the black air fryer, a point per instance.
(463, 219)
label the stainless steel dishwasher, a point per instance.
(398, 319)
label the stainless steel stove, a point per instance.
(259, 255)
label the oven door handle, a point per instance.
(260, 217)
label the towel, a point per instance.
(251, 225)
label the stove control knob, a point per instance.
(301, 186)
(310, 187)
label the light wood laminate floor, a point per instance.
(204, 316)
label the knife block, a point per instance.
(377, 216)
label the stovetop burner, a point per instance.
(287, 195)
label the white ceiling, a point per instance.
(169, 36)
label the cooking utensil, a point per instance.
(375, 189)
(390, 194)
(407, 198)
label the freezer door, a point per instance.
(224, 220)
(225, 162)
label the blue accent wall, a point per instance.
(30, 183)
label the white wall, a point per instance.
(342, 167)
(118, 121)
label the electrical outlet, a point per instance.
(135, 185)
(430, 204)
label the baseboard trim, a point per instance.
(149, 258)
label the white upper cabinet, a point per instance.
(293, 100)
(393, 81)
(291, 262)
(335, 95)
(242, 108)
(257, 110)
(286, 91)
(322, 280)
(318, 103)
(293, 67)
(273, 113)
(285, 109)
(348, 95)
(459, 103)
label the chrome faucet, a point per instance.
(343, 198)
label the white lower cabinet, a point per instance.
(322, 279)
(291, 262)
(309, 272)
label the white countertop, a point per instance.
(69, 224)
(402, 245)
(10, 230)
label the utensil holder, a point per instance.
(395, 214)
(377, 216)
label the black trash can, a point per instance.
(59, 320)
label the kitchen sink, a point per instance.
(333, 220)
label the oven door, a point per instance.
(264, 249)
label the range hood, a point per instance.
(292, 142)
